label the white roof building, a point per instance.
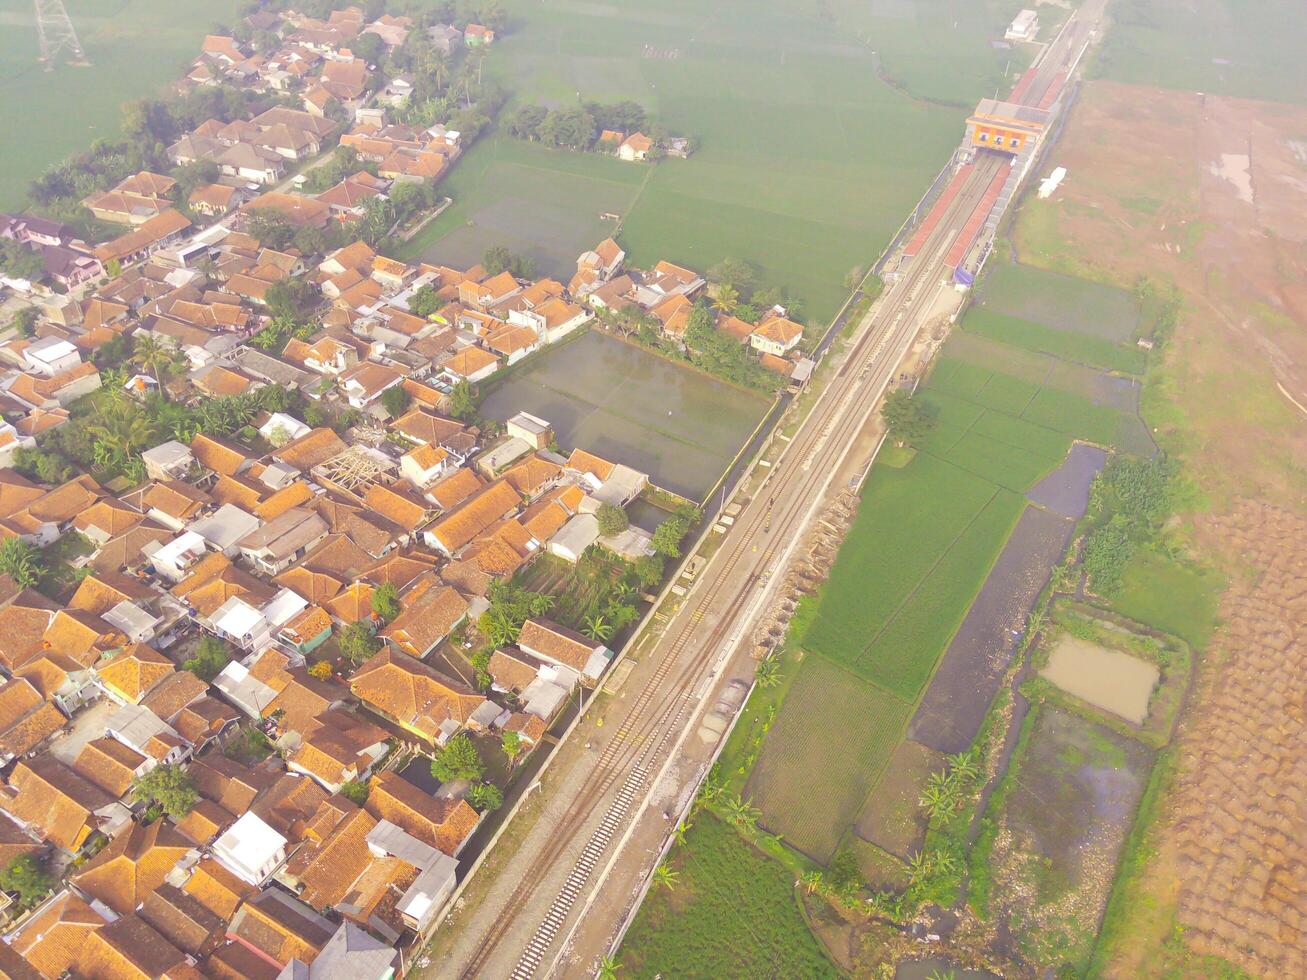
(224, 527)
(250, 849)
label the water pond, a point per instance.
(1107, 679)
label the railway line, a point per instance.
(811, 457)
(527, 915)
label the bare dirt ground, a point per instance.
(1157, 185)
(1239, 816)
(1211, 194)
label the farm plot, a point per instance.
(831, 739)
(535, 201)
(907, 519)
(1064, 811)
(829, 195)
(902, 656)
(1091, 350)
(626, 404)
(892, 817)
(1074, 306)
(1217, 46)
(732, 913)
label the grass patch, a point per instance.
(1170, 595)
(731, 913)
(1030, 335)
(1066, 303)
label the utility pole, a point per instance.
(57, 35)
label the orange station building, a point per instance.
(1005, 126)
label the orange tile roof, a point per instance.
(55, 800)
(310, 585)
(586, 462)
(412, 693)
(460, 526)
(217, 454)
(455, 488)
(470, 361)
(132, 865)
(53, 940)
(205, 821)
(135, 670)
(395, 504)
(109, 764)
(217, 889)
(558, 643)
(442, 823)
(337, 863)
(431, 611)
(779, 329)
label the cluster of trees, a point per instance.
(721, 354)
(345, 162)
(149, 126)
(210, 657)
(25, 877)
(510, 607)
(459, 759)
(497, 259)
(1129, 503)
(109, 431)
(168, 787)
(736, 292)
(576, 127)
(20, 262)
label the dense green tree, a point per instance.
(211, 656)
(908, 419)
(458, 759)
(510, 607)
(270, 227)
(356, 791)
(463, 401)
(168, 785)
(667, 536)
(357, 642)
(26, 878)
(19, 560)
(385, 602)
(485, 797)
(611, 519)
(511, 742)
(395, 400)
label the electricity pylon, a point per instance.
(57, 34)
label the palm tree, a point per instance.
(623, 590)
(439, 69)
(122, 431)
(726, 298)
(608, 968)
(812, 881)
(152, 354)
(598, 629)
(768, 672)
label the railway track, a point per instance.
(652, 718)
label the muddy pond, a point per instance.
(1107, 679)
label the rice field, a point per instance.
(135, 49)
(827, 746)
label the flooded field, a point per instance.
(1067, 806)
(680, 426)
(1107, 679)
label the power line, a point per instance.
(55, 29)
